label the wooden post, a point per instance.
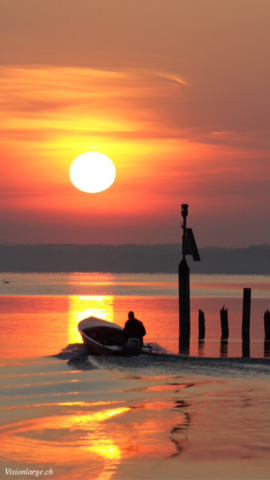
(184, 345)
(224, 323)
(246, 347)
(201, 325)
(201, 348)
(224, 348)
(267, 325)
(246, 313)
(267, 334)
(184, 299)
(266, 349)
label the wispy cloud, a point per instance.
(83, 100)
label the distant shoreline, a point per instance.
(161, 258)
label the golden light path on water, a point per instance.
(81, 307)
(62, 435)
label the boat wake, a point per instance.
(159, 362)
(75, 350)
(165, 364)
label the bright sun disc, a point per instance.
(92, 172)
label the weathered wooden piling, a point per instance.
(201, 325)
(224, 323)
(246, 313)
(201, 348)
(246, 347)
(223, 348)
(266, 349)
(184, 344)
(267, 326)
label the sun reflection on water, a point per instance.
(56, 437)
(81, 307)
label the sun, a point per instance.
(92, 172)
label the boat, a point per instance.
(106, 338)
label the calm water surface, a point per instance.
(40, 312)
(158, 418)
(134, 419)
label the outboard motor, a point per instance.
(133, 347)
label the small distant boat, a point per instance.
(5, 281)
(106, 338)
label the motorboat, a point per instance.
(106, 338)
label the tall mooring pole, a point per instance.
(184, 289)
(189, 247)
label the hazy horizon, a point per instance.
(131, 258)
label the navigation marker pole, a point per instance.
(189, 247)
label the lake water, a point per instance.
(199, 416)
(40, 312)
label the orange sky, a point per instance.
(176, 93)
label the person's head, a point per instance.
(131, 315)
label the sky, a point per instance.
(175, 92)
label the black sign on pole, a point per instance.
(189, 245)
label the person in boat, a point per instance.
(133, 328)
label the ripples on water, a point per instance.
(156, 417)
(149, 417)
(165, 364)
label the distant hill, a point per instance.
(131, 259)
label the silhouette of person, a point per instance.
(133, 328)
